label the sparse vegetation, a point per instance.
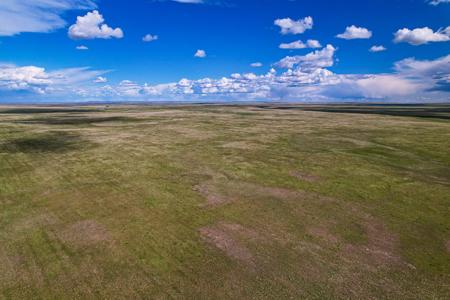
(225, 202)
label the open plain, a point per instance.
(225, 202)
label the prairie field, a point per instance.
(225, 202)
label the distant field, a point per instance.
(225, 202)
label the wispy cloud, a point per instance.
(17, 16)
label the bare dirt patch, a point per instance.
(85, 233)
(221, 236)
(304, 176)
(281, 193)
(213, 198)
(245, 190)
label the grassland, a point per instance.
(225, 202)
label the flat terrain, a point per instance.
(225, 202)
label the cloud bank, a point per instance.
(304, 78)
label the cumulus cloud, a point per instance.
(376, 48)
(82, 47)
(306, 79)
(289, 26)
(150, 38)
(412, 78)
(301, 45)
(18, 16)
(24, 78)
(323, 58)
(92, 26)
(200, 53)
(421, 36)
(354, 32)
(38, 80)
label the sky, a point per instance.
(224, 50)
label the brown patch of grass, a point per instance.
(85, 233)
(264, 191)
(10, 267)
(280, 193)
(322, 233)
(242, 231)
(381, 248)
(304, 176)
(448, 246)
(242, 145)
(242, 190)
(221, 237)
(40, 220)
(213, 198)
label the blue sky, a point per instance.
(243, 48)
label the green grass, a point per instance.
(115, 202)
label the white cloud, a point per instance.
(323, 58)
(293, 45)
(92, 26)
(382, 86)
(354, 32)
(437, 2)
(82, 47)
(38, 80)
(150, 38)
(421, 36)
(306, 80)
(301, 45)
(289, 26)
(200, 54)
(24, 78)
(18, 16)
(313, 44)
(376, 48)
(129, 88)
(411, 67)
(256, 65)
(412, 80)
(100, 79)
